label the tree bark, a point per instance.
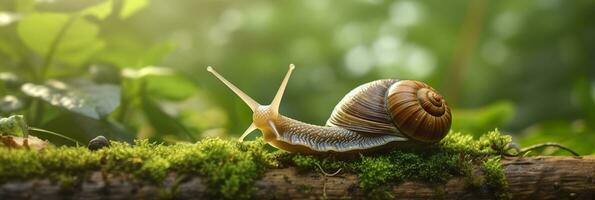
(528, 178)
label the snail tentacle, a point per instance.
(249, 130)
(247, 99)
(277, 100)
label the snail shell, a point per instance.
(403, 108)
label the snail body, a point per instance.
(375, 115)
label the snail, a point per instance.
(378, 114)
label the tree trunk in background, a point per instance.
(528, 178)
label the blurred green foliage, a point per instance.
(136, 68)
(479, 120)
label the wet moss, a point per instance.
(231, 168)
(496, 178)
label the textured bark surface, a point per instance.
(528, 178)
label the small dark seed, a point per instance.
(98, 143)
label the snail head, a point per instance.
(262, 114)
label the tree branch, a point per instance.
(528, 178)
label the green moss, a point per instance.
(304, 162)
(155, 169)
(374, 173)
(490, 143)
(19, 164)
(496, 178)
(68, 160)
(231, 168)
(455, 155)
(466, 169)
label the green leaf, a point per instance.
(163, 122)
(101, 11)
(30, 27)
(9, 50)
(65, 5)
(82, 96)
(170, 87)
(129, 8)
(25, 6)
(79, 40)
(163, 82)
(129, 51)
(14, 125)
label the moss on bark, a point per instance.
(231, 168)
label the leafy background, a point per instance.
(136, 68)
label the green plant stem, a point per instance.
(117, 6)
(548, 144)
(37, 111)
(121, 115)
(326, 173)
(55, 134)
(125, 101)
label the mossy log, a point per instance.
(528, 178)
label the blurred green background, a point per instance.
(137, 68)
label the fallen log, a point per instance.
(528, 178)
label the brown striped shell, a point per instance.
(405, 108)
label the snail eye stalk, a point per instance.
(277, 100)
(247, 99)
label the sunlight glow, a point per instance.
(405, 13)
(7, 18)
(387, 50)
(359, 61)
(230, 21)
(419, 62)
(507, 24)
(349, 35)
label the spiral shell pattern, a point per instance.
(418, 111)
(401, 108)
